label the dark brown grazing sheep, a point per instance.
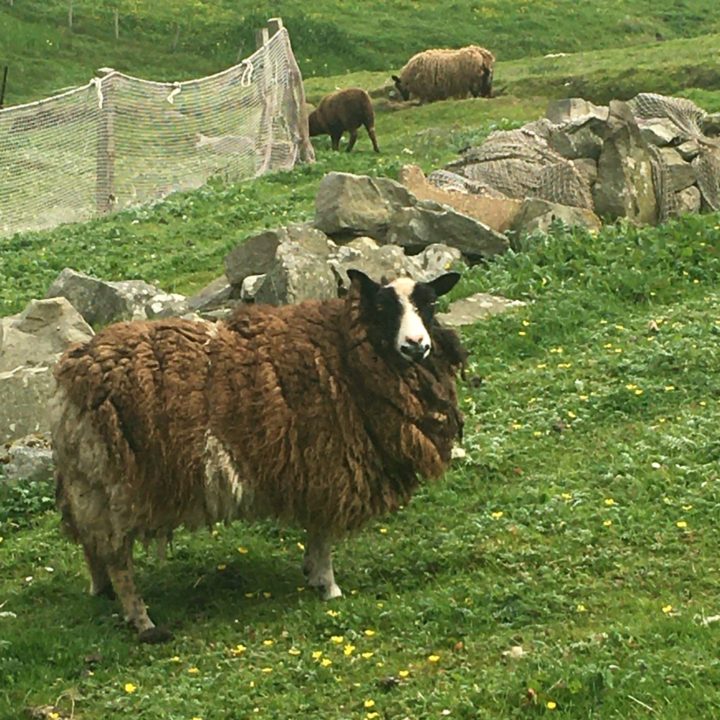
(344, 110)
(322, 415)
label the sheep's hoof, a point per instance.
(155, 635)
(331, 592)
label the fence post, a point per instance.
(105, 154)
(261, 37)
(275, 25)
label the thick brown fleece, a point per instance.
(324, 429)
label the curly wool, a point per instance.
(440, 74)
(290, 412)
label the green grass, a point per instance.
(581, 525)
(331, 38)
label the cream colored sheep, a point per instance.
(440, 74)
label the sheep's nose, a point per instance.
(415, 349)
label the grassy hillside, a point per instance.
(567, 566)
(179, 39)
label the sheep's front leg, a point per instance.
(353, 139)
(317, 566)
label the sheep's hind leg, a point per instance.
(317, 566)
(100, 583)
(335, 139)
(373, 138)
(123, 581)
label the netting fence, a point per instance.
(120, 141)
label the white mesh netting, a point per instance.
(120, 141)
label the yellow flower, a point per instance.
(222, 567)
(681, 524)
(434, 658)
(609, 502)
(367, 655)
(566, 496)
(238, 650)
(638, 391)
(294, 651)
(581, 608)
(551, 704)
(332, 613)
(497, 514)
(403, 673)
(243, 550)
(383, 530)
(667, 609)
(571, 414)
(537, 433)
(317, 654)
(669, 388)
(266, 670)
(369, 633)
(372, 715)
(369, 703)
(541, 366)
(337, 639)
(195, 717)
(175, 658)
(326, 662)
(301, 547)
(130, 688)
(267, 595)
(348, 649)
(564, 365)
(193, 671)
(249, 594)
(54, 716)
(521, 332)
(526, 323)
(607, 523)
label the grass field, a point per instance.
(566, 567)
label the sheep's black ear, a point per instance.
(368, 287)
(395, 78)
(445, 283)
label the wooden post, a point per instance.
(105, 158)
(70, 14)
(261, 37)
(2, 88)
(275, 25)
(116, 22)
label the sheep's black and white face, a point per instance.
(401, 313)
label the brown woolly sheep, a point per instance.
(344, 110)
(322, 415)
(440, 74)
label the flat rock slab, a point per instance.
(476, 307)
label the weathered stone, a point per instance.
(300, 272)
(476, 307)
(256, 255)
(681, 173)
(624, 186)
(101, 302)
(40, 333)
(539, 215)
(587, 167)
(496, 212)
(420, 226)
(349, 205)
(710, 124)
(250, 286)
(214, 295)
(389, 262)
(659, 131)
(450, 181)
(25, 392)
(28, 459)
(571, 109)
(688, 150)
(688, 200)
(164, 305)
(578, 139)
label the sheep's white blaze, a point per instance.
(223, 488)
(412, 328)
